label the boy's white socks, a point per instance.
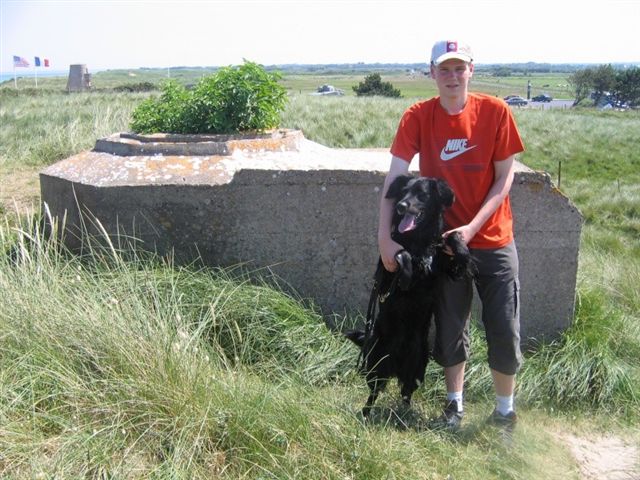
(504, 405)
(457, 396)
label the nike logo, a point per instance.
(453, 148)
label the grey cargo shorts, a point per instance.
(498, 289)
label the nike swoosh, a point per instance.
(444, 156)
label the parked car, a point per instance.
(328, 90)
(517, 101)
(617, 105)
(543, 97)
(510, 96)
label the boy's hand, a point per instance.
(465, 233)
(388, 250)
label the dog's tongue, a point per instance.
(407, 223)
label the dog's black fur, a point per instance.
(394, 343)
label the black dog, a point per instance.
(394, 343)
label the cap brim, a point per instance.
(450, 55)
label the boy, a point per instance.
(471, 141)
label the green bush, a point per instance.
(163, 114)
(136, 87)
(234, 99)
(373, 85)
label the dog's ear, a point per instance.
(444, 192)
(395, 189)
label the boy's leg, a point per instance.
(498, 288)
(451, 350)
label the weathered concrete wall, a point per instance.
(309, 214)
(547, 231)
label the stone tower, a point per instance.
(79, 78)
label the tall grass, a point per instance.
(42, 128)
(365, 122)
(101, 355)
(598, 146)
(122, 365)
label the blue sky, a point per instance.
(131, 34)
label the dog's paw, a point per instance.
(455, 243)
(461, 264)
(405, 269)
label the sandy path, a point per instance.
(19, 190)
(604, 457)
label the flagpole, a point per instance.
(35, 69)
(15, 80)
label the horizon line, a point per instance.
(52, 70)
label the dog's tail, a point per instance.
(356, 336)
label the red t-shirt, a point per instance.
(461, 149)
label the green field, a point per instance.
(121, 365)
(421, 86)
(415, 85)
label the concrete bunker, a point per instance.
(305, 211)
(79, 78)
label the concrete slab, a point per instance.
(306, 212)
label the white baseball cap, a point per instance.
(448, 49)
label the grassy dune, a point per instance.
(121, 365)
(124, 366)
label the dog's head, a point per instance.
(418, 201)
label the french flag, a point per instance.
(38, 63)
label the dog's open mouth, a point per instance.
(409, 222)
